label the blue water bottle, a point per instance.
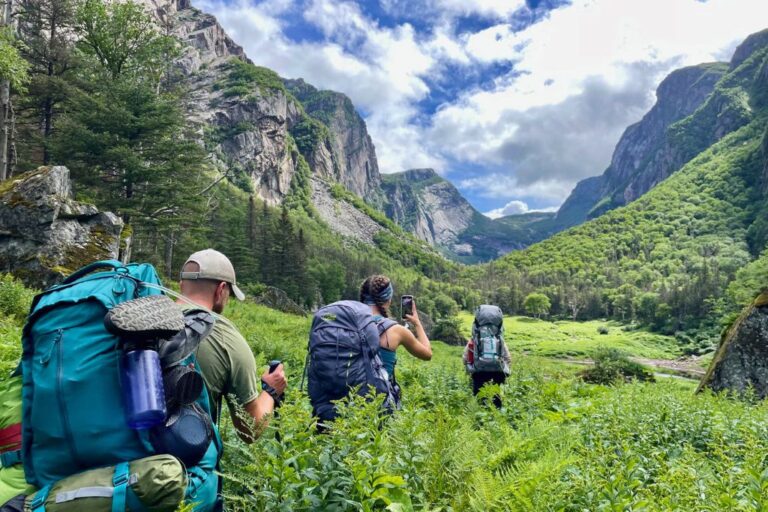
(142, 384)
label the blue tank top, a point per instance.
(388, 357)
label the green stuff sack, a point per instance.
(12, 481)
(154, 484)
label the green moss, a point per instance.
(98, 248)
(9, 184)
(241, 78)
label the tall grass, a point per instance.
(557, 444)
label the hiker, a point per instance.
(352, 348)
(486, 356)
(376, 292)
(115, 414)
(225, 359)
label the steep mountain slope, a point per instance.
(667, 258)
(252, 124)
(430, 207)
(354, 162)
(641, 158)
(686, 119)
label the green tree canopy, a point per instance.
(537, 304)
(13, 67)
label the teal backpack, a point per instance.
(73, 418)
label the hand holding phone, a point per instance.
(406, 305)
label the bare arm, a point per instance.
(259, 409)
(418, 345)
(505, 354)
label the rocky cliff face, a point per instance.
(433, 209)
(694, 109)
(741, 361)
(247, 118)
(352, 159)
(747, 48)
(243, 117)
(45, 234)
(643, 157)
(430, 207)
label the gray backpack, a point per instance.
(488, 338)
(344, 355)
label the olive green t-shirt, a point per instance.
(227, 364)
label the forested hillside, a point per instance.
(681, 256)
(162, 119)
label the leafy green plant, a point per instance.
(612, 365)
(15, 298)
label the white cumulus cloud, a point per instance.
(579, 76)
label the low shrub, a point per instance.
(448, 330)
(602, 330)
(612, 365)
(15, 299)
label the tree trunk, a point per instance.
(48, 104)
(127, 245)
(170, 242)
(5, 104)
(5, 112)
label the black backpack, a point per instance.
(343, 355)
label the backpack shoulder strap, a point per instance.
(384, 324)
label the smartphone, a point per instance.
(406, 305)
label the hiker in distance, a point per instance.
(486, 356)
(225, 359)
(377, 292)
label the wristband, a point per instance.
(278, 398)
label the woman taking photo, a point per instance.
(377, 292)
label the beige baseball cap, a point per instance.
(213, 265)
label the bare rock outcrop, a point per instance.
(428, 206)
(741, 361)
(341, 216)
(45, 234)
(246, 120)
(352, 155)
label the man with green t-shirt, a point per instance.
(224, 357)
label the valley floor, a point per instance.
(557, 444)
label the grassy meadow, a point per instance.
(558, 443)
(566, 339)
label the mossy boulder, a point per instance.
(741, 361)
(45, 234)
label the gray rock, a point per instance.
(276, 298)
(741, 361)
(45, 234)
(643, 156)
(352, 159)
(249, 133)
(341, 216)
(430, 207)
(748, 47)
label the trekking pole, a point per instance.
(272, 367)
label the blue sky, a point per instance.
(514, 101)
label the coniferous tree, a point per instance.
(123, 136)
(45, 27)
(13, 76)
